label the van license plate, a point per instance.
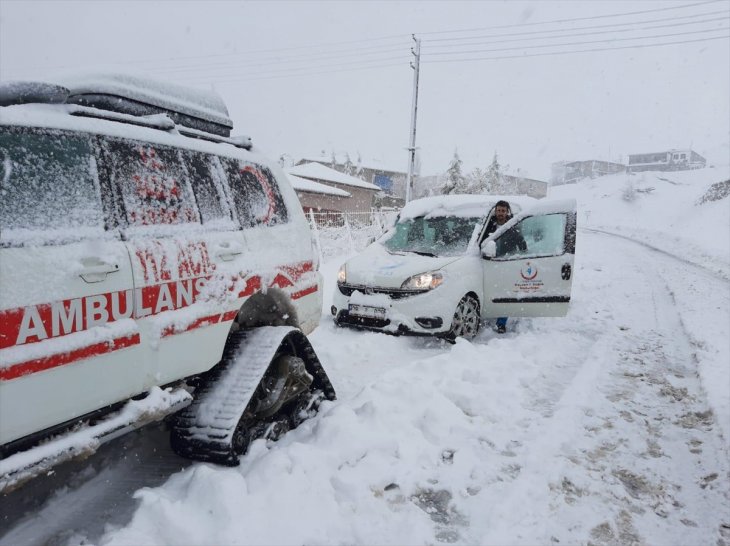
(366, 311)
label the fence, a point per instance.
(341, 233)
(380, 218)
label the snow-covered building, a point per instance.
(520, 185)
(319, 197)
(569, 172)
(361, 193)
(390, 180)
(670, 160)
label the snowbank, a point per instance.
(663, 209)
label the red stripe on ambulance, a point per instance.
(61, 359)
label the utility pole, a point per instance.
(415, 65)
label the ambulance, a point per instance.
(146, 253)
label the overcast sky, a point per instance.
(302, 77)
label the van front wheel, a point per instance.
(466, 319)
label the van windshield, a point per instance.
(436, 236)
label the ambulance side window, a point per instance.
(152, 182)
(207, 182)
(48, 185)
(255, 193)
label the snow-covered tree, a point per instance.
(333, 160)
(455, 180)
(494, 177)
(358, 166)
(348, 167)
(477, 181)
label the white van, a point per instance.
(141, 246)
(436, 272)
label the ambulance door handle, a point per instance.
(96, 270)
(228, 251)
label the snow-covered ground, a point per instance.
(664, 209)
(610, 426)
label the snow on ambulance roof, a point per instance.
(464, 205)
(302, 184)
(198, 103)
(59, 116)
(320, 172)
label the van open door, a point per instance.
(528, 263)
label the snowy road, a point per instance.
(593, 428)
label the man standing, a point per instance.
(510, 242)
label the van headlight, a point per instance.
(342, 274)
(424, 281)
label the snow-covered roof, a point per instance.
(365, 163)
(317, 171)
(302, 184)
(463, 205)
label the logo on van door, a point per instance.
(528, 272)
(530, 281)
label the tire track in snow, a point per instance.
(704, 298)
(635, 405)
(720, 275)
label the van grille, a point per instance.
(392, 293)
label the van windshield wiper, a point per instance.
(432, 255)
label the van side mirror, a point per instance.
(489, 250)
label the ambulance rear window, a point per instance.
(256, 195)
(47, 182)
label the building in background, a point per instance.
(570, 172)
(391, 181)
(319, 197)
(519, 185)
(361, 194)
(671, 160)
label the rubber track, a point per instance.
(204, 430)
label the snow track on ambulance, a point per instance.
(644, 447)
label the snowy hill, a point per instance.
(667, 210)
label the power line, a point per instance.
(289, 74)
(292, 59)
(377, 54)
(572, 19)
(364, 63)
(551, 53)
(370, 41)
(361, 52)
(585, 42)
(402, 37)
(306, 73)
(594, 27)
(380, 50)
(315, 63)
